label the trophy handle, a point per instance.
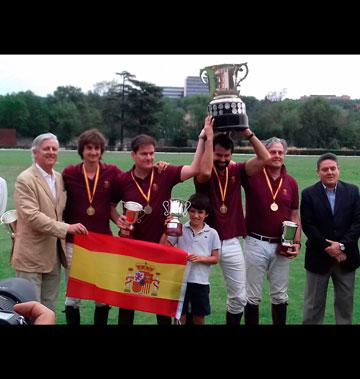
(187, 206)
(204, 76)
(238, 69)
(166, 207)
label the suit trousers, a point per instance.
(316, 290)
(46, 284)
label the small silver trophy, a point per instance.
(177, 209)
(131, 211)
(9, 219)
(288, 234)
(227, 108)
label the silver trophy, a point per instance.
(288, 234)
(131, 212)
(177, 209)
(9, 219)
(227, 108)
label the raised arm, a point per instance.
(201, 150)
(254, 165)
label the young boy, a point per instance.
(203, 245)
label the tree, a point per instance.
(321, 124)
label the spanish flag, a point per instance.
(128, 274)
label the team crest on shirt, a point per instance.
(141, 280)
(285, 192)
(106, 184)
(232, 179)
(155, 187)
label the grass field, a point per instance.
(12, 162)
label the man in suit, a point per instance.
(40, 232)
(330, 216)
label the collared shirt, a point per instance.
(331, 195)
(232, 223)
(149, 227)
(50, 179)
(260, 218)
(202, 244)
(77, 200)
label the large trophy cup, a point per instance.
(131, 211)
(177, 209)
(227, 108)
(288, 236)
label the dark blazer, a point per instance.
(318, 224)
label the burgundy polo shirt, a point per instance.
(77, 198)
(151, 226)
(231, 224)
(260, 218)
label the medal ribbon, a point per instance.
(221, 189)
(91, 196)
(146, 197)
(270, 187)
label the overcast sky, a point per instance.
(298, 74)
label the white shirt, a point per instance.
(50, 179)
(3, 195)
(203, 243)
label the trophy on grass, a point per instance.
(227, 108)
(131, 212)
(177, 209)
(288, 236)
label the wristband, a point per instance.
(250, 136)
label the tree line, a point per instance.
(123, 110)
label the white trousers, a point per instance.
(261, 259)
(71, 301)
(232, 264)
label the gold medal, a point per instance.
(147, 209)
(274, 207)
(90, 211)
(223, 209)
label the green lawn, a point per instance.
(302, 168)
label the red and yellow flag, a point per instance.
(128, 274)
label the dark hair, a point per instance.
(92, 136)
(224, 141)
(326, 156)
(200, 202)
(141, 140)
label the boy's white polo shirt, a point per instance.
(202, 244)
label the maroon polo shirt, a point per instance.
(150, 227)
(77, 198)
(231, 224)
(260, 218)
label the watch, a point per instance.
(342, 246)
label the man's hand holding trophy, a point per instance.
(130, 215)
(289, 247)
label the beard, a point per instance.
(221, 165)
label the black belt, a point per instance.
(264, 238)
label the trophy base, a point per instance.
(229, 114)
(228, 123)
